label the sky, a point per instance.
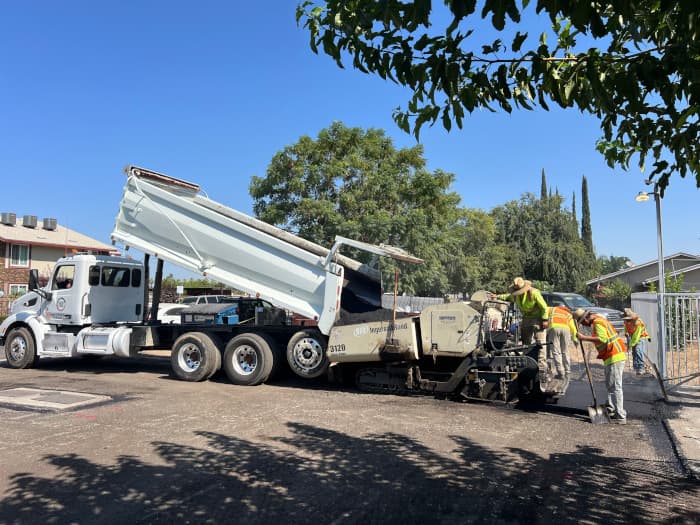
(210, 91)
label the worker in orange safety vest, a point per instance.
(560, 334)
(613, 351)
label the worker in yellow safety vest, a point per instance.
(560, 335)
(534, 322)
(637, 336)
(613, 351)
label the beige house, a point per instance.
(27, 243)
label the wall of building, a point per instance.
(635, 276)
(44, 258)
(41, 258)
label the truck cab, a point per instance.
(87, 289)
(84, 292)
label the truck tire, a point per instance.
(306, 354)
(194, 357)
(217, 363)
(20, 349)
(248, 359)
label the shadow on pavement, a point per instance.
(319, 475)
(103, 365)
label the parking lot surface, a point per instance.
(158, 450)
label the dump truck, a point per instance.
(460, 349)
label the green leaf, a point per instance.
(518, 41)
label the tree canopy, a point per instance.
(611, 264)
(355, 183)
(542, 234)
(631, 63)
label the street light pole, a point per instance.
(659, 241)
(660, 303)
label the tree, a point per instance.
(544, 238)
(543, 187)
(586, 230)
(355, 183)
(479, 262)
(630, 63)
(612, 264)
(616, 294)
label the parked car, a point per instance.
(208, 299)
(170, 312)
(573, 301)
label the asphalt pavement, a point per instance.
(150, 449)
(677, 407)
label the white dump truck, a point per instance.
(98, 305)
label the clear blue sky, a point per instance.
(210, 91)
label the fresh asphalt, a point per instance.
(163, 451)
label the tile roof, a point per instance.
(60, 237)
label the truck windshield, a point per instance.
(574, 300)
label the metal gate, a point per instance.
(676, 355)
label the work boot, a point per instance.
(619, 420)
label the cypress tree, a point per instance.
(543, 187)
(573, 208)
(586, 231)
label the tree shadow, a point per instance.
(314, 474)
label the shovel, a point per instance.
(596, 413)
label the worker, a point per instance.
(533, 308)
(612, 350)
(534, 311)
(560, 334)
(637, 336)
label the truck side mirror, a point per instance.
(33, 279)
(34, 285)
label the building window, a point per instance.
(18, 289)
(19, 255)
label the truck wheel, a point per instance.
(20, 349)
(306, 354)
(194, 357)
(248, 359)
(217, 363)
